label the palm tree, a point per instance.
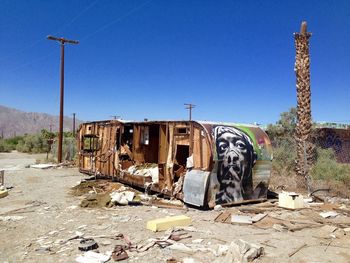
(304, 123)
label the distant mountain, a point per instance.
(16, 122)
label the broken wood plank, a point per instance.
(223, 217)
(297, 250)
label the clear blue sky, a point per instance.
(137, 59)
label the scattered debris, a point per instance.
(122, 198)
(87, 244)
(43, 249)
(11, 218)
(258, 217)
(227, 217)
(218, 208)
(180, 247)
(242, 251)
(121, 218)
(239, 219)
(223, 217)
(197, 241)
(168, 222)
(290, 200)
(3, 193)
(328, 228)
(329, 214)
(297, 250)
(92, 257)
(43, 166)
(119, 253)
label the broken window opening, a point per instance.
(126, 143)
(144, 139)
(127, 136)
(117, 139)
(182, 131)
(151, 133)
(182, 153)
(90, 143)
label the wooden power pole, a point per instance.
(73, 130)
(62, 41)
(190, 106)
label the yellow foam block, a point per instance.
(3, 193)
(168, 222)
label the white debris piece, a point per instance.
(122, 198)
(43, 166)
(180, 247)
(290, 200)
(242, 252)
(189, 162)
(218, 208)
(241, 219)
(188, 260)
(92, 257)
(145, 172)
(222, 250)
(11, 218)
(329, 214)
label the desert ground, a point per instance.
(42, 221)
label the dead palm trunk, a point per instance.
(303, 128)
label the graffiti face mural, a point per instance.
(236, 158)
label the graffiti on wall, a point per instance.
(236, 158)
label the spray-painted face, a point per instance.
(236, 157)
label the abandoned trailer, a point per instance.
(201, 163)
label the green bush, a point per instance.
(327, 168)
(34, 143)
(4, 146)
(284, 154)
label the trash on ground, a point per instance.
(290, 200)
(43, 166)
(92, 257)
(242, 251)
(239, 219)
(122, 198)
(3, 193)
(11, 218)
(87, 244)
(329, 214)
(119, 253)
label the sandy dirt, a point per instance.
(52, 216)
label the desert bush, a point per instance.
(4, 146)
(34, 143)
(283, 143)
(327, 168)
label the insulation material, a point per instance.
(145, 172)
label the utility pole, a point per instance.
(73, 124)
(62, 41)
(115, 117)
(190, 106)
(50, 127)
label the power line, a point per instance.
(71, 21)
(116, 20)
